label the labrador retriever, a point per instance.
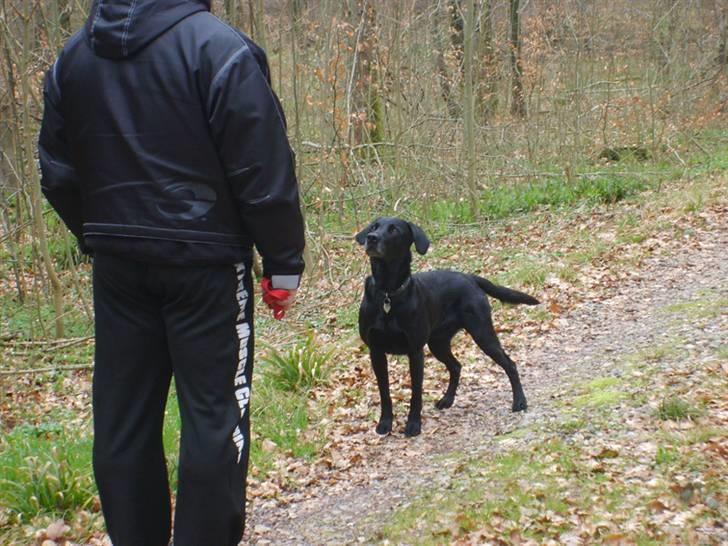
(400, 313)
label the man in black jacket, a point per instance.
(164, 150)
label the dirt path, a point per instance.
(346, 503)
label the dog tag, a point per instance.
(387, 304)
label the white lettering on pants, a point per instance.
(242, 328)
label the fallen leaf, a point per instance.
(57, 530)
(269, 446)
(656, 505)
(555, 308)
(617, 539)
(606, 453)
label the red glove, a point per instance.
(273, 297)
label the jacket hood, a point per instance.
(117, 29)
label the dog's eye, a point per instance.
(374, 227)
(393, 229)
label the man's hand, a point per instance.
(279, 300)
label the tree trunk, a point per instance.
(723, 45)
(487, 90)
(231, 12)
(8, 157)
(367, 112)
(444, 77)
(518, 103)
(28, 137)
(469, 110)
(457, 37)
(64, 19)
(296, 8)
(257, 21)
(13, 250)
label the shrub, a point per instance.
(45, 470)
(301, 367)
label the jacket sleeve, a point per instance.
(249, 130)
(59, 180)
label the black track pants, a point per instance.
(153, 322)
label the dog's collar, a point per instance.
(387, 305)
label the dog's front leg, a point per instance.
(379, 365)
(417, 367)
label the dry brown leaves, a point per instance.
(355, 456)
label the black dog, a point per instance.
(401, 312)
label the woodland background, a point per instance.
(460, 115)
(399, 104)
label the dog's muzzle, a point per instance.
(372, 246)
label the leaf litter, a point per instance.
(598, 325)
(601, 308)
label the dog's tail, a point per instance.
(502, 293)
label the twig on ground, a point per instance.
(48, 369)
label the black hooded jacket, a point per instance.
(162, 140)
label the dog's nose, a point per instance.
(372, 238)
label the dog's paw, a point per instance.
(384, 427)
(520, 405)
(413, 428)
(445, 402)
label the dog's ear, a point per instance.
(361, 237)
(422, 243)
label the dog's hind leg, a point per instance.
(379, 365)
(441, 350)
(417, 372)
(482, 331)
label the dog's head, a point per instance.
(389, 238)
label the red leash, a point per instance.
(273, 296)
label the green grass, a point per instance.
(555, 192)
(281, 410)
(284, 418)
(62, 246)
(630, 229)
(715, 157)
(587, 253)
(601, 392)
(538, 314)
(676, 409)
(450, 211)
(281, 416)
(597, 185)
(348, 317)
(512, 489)
(568, 274)
(722, 352)
(643, 540)
(598, 399)
(509, 199)
(46, 469)
(666, 456)
(35, 319)
(171, 436)
(656, 353)
(573, 425)
(300, 367)
(702, 434)
(710, 305)
(602, 383)
(523, 271)
(505, 486)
